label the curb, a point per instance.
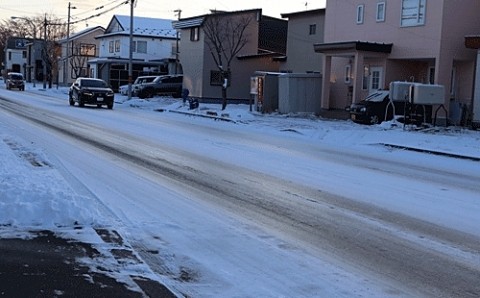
(472, 158)
(214, 117)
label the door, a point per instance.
(376, 79)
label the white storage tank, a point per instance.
(425, 94)
(400, 91)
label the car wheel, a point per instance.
(81, 104)
(149, 94)
(110, 106)
(374, 119)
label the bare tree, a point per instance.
(226, 35)
(53, 30)
(79, 56)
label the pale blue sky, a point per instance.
(147, 8)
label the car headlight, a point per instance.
(363, 109)
(87, 93)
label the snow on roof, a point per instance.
(82, 32)
(144, 26)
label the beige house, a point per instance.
(369, 44)
(266, 42)
(82, 46)
(305, 28)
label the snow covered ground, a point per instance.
(34, 195)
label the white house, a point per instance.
(16, 55)
(154, 49)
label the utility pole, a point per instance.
(179, 13)
(44, 52)
(130, 52)
(67, 57)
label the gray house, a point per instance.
(266, 43)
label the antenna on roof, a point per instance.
(306, 5)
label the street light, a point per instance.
(30, 46)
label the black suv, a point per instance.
(162, 85)
(15, 81)
(91, 91)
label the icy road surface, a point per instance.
(254, 209)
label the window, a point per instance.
(348, 73)
(86, 50)
(380, 12)
(140, 46)
(453, 83)
(360, 12)
(216, 78)
(24, 54)
(117, 46)
(313, 29)
(366, 77)
(110, 46)
(431, 75)
(195, 34)
(413, 13)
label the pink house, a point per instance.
(370, 43)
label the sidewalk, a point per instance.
(48, 266)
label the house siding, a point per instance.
(438, 44)
(301, 56)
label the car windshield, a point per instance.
(16, 77)
(93, 83)
(378, 96)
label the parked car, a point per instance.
(372, 109)
(162, 85)
(123, 89)
(91, 91)
(15, 81)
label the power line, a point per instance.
(101, 13)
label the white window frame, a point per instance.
(453, 83)
(413, 13)
(139, 46)
(348, 74)
(380, 15)
(376, 79)
(117, 46)
(360, 13)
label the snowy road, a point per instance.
(235, 210)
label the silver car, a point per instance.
(123, 89)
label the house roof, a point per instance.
(143, 26)
(197, 21)
(365, 46)
(83, 33)
(303, 13)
